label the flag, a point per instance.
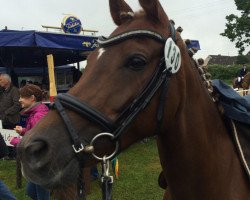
(194, 43)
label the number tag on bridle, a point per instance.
(172, 56)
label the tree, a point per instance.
(238, 28)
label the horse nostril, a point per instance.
(35, 153)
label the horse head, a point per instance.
(126, 94)
(116, 73)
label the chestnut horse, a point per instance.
(244, 85)
(198, 157)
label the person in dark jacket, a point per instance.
(9, 107)
(9, 103)
(242, 73)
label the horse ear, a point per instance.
(154, 10)
(117, 9)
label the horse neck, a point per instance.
(194, 141)
(247, 78)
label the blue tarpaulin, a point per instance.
(36, 71)
(29, 48)
(235, 106)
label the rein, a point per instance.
(114, 130)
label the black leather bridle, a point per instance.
(160, 77)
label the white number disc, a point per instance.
(172, 56)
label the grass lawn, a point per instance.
(138, 167)
(8, 176)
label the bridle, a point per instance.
(114, 130)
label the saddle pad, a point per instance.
(235, 106)
(241, 135)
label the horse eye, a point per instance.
(136, 63)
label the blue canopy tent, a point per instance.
(30, 48)
(36, 71)
(20, 50)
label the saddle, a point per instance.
(235, 106)
(237, 111)
(238, 83)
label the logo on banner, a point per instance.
(71, 24)
(90, 44)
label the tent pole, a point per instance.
(52, 83)
(12, 73)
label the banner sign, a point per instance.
(71, 24)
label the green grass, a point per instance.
(138, 174)
(8, 176)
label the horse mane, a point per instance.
(205, 77)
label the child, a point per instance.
(30, 99)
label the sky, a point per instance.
(202, 20)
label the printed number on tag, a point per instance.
(172, 56)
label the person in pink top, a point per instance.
(30, 99)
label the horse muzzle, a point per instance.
(41, 164)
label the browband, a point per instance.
(104, 42)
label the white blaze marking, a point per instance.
(100, 52)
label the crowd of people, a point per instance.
(27, 101)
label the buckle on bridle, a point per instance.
(78, 150)
(110, 179)
(86, 149)
(106, 177)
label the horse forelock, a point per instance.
(140, 21)
(127, 15)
